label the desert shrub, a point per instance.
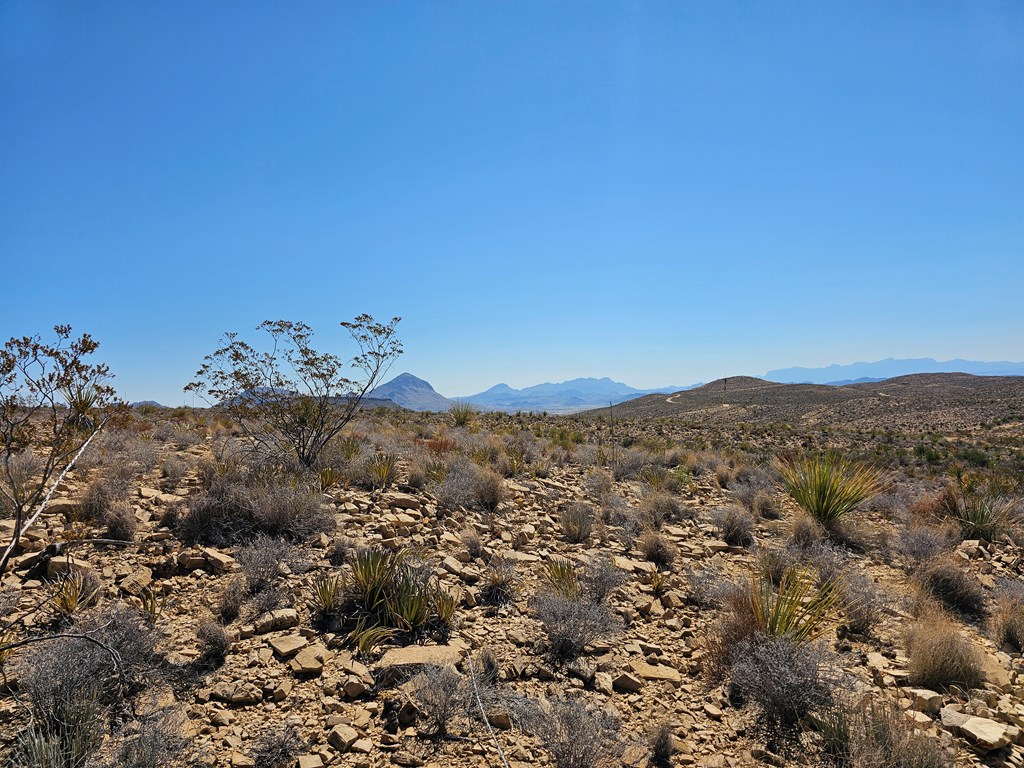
(231, 599)
(231, 512)
(875, 734)
(734, 524)
(441, 696)
(657, 548)
(600, 578)
(498, 585)
(656, 509)
(662, 745)
(277, 746)
(489, 490)
(918, 543)
(626, 464)
(773, 563)
(570, 624)
(120, 521)
(214, 643)
(577, 736)
(952, 586)
(458, 486)
(1007, 621)
(784, 678)
(705, 587)
(260, 562)
(806, 532)
(266, 600)
(577, 522)
(157, 743)
(105, 491)
(597, 483)
(339, 551)
(940, 657)
(828, 486)
(861, 603)
(172, 470)
(979, 510)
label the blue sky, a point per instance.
(660, 192)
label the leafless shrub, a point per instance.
(577, 522)
(862, 602)
(105, 491)
(597, 483)
(260, 562)
(940, 657)
(662, 745)
(775, 561)
(600, 578)
(577, 736)
(489, 490)
(806, 532)
(172, 471)
(442, 696)
(785, 679)
(340, 550)
(458, 488)
(473, 543)
(277, 746)
(735, 525)
(705, 586)
(155, 743)
(627, 463)
(571, 624)
(919, 543)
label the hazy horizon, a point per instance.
(661, 193)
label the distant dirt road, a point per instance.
(672, 398)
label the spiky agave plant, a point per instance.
(828, 485)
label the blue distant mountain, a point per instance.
(561, 397)
(889, 368)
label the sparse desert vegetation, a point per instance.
(210, 587)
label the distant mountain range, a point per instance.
(880, 370)
(563, 397)
(575, 395)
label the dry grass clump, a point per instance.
(120, 521)
(734, 524)
(214, 643)
(941, 658)
(500, 581)
(662, 745)
(576, 735)
(659, 508)
(1007, 622)
(577, 522)
(829, 486)
(260, 562)
(920, 542)
(472, 542)
(657, 548)
(873, 734)
(465, 484)
(277, 746)
(572, 611)
(627, 464)
(957, 589)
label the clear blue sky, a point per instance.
(660, 192)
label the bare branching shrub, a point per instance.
(918, 543)
(277, 746)
(600, 578)
(156, 743)
(598, 483)
(705, 587)
(577, 522)
(657, 548)
(442, 696)
(339, 551)
(940, 657)
(172, 471)
(734, 524)
(862, 602)
(785, 679)
(105, 491)
(571, 624)
(458, 487)
(954, 587)
(260, 562)
(577, 736)
(872, 733)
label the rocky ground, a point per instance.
(353, 709)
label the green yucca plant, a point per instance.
(330, 478)
(152, 605)
(382, 470)
(349, 448)
(829, 486)
(71, 593)
(462, 413)
(979, 510)
(366, 636)
(326, 596)
(561, 575)
(798, 609)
